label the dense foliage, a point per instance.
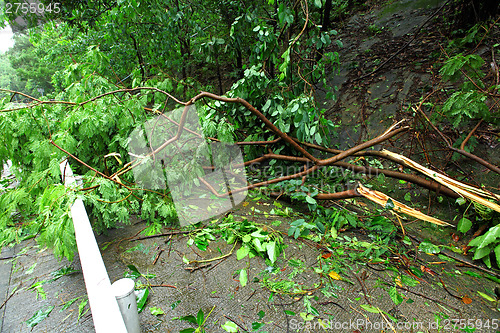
(272, 55)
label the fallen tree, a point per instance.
(98, 181)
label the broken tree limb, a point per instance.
(476, 158)
(429, 184)
(462, 145)
(392, 131)
(351, 193)
(161, 235)
(259, 115)
(472, 193)
(306, 157)
(371, 171)
(382, 199)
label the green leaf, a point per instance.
(310, 200)
(464, 225)
(489, 237)
(62, 272)
(492, 278)
(352, 220)
(188, 330)
(497, 254)
(405, 279)
(39, 316)
(174, 304)
(266, 106)
(314, 311)
(189, 318)
(69, 303)
(483, 295)
(370, 308)
(229, 326)
(289, 313)
(242, 252)
(81, 307)
(473, 274)
(258, 245)
(243, 277)
(156, 311)
(319, 140)
(395, 296)
(133, 273)
(487, 261)
(333, 233)
(142, 298)
(320, 226)
(31, 269)
(428, 248)
(482, 252)
(306, 316)
(200, 317)
(271, 251)
(261, 314)
(257, 325)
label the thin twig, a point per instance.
(427, 297)
(462, 146)
(161, 235)
(208, 270)
(16, 289)
(227, 317)
(157, 256)
(365, 293)
(162, 285)
(216, 258)
(446, 289)
(192, 269)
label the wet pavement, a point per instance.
(265, 303)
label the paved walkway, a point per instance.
(216, 288)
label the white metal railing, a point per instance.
(105, 311)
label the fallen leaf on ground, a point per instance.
(326, 255)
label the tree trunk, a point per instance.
(239, 63)
(139, 58)
(325, 24)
